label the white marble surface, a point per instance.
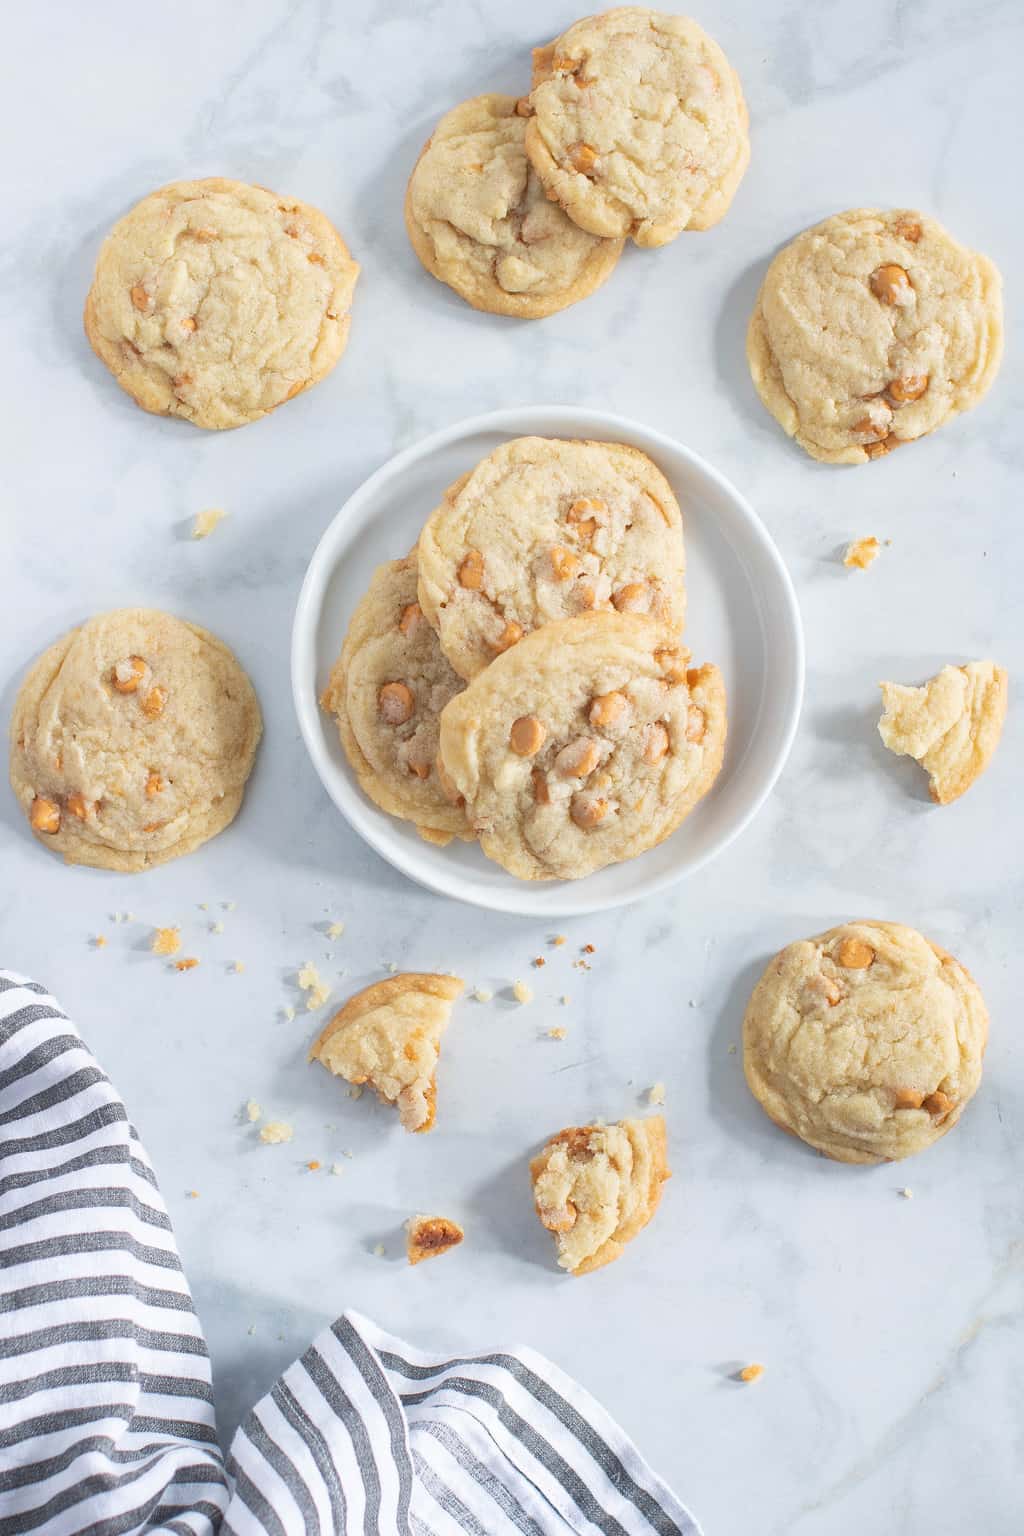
(891, 1329)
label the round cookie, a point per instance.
(639, 126)
(544, 528)
(218, 301)
(479, 220)
(586, 744)
(872, 329)
(387, 690)
(132, 739)
(866, 1042)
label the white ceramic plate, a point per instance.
(741, 613)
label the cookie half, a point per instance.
(217, 301)
(387, 691)
(951, 726)
(132, 739)
(866, 1041)
(586, 744)
(479, 220)
(542, 529)
(639, 125)
(872, 329)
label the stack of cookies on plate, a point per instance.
(520, 676)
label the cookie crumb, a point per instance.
(588, 949)
(559, 939)
(908, 1194)
(165, 941)
(238, 967)
(732, 1049)
(392, 968)
(751, 1373)
(217, 927)
(275, 1132)
(251, 1329)
(335, 930)
(378, 1250)
(229, 906)
(99, 941)
(316, 989)
(860, 554)
(429, 1236)
(188, 964)
(253, 1111)
(191, 1194)
(564, 999)
(538, 961)
(483, 994)
(206, 522)
(521, 992)
(356, 1092)
(204, 906)
(557, 1034)
(656, 1094)
(313, 1165)
(692, 1002)
(337, 1170)
(289, 1013)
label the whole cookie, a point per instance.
(217, 301)
(132, 739)
(866, 1042)
(585, 745)
(387, 690)
(872, 329)
(542, 529)
(479, 220)
(639, 126)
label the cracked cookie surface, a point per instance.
(389, 1037)
(596, 1186)
(586, 744)
(386, 691)
(871, 329)
(217, 301)
(639, 125)
(132, 739)
(542, 529)
(479, 220)
(951, 725)
(866, 1041)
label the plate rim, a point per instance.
(309, 604)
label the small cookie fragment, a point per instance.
(276, 1132)
(521, 992)
(312, 983)
(951, 725)
(751, 1373)
(429, 1236)
(389, 1037)
(656, 1094)
(165, 941)
(206, 522)
(596, 1186)
(861, 553)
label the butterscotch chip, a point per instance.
(396, 703)
(588, 810)
(607, 709)
(527, 735)
(886, 1068)
(578, 758)
(77, 805)
(471, 570)
(596, 1186)
(44, 815)
(632, 598)
(153, 702)
(751, 1373)
(891, 285)
(389, 1037)
(205, 303)
(428, 1236)
(951, 725)
(510, 636)
(128, 674)
(412, 614)
(910, 387)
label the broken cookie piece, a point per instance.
(389, 1037)
(427, 1236)
(596, 1186)
(951, 725)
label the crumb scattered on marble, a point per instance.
(99, 941)
(693, 1002)
(392, 968)
(558, 940)
(581, 965)
(128, 917)
(238, 967)
(275, 1132)
(732, 1049)
(751, 1373)
(165, 941)
(229, 906)
(908, 1194)
(313, 1165)
(253, 1111)
(538, 961)
(204, 906)
(188, 964)
(206, 521)
(356, 1092)
(378, 1250)
(860, 554)
(289, 1013)
(564, 999)
(191, 1194)
(483, 994)
(656, 1094)
(316, 989)
(251, 1329)
(557, 1034)
(337, 1170)
(217, 927)
(335, 930)
(521, 992)
(588, 949)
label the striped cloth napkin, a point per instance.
(106, 1408)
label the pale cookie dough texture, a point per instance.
(872, 329)
(544, 528)
(479, 220)
(389, 1037)
(866, 1042)
(387, 690)
(596, 1186)
(132, 739)
(586, 744)
(951, 726)
(217, 301)
(639, 126)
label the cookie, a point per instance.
(217, 301)
(866, 1042)
(542, 529)
(872, 329)
(596, 1186)
(586, 744)
(428, 1236)
(387, 690)
(479, 220)
(132, 739)
(951, 726)
(639, 125)
(389, 1037)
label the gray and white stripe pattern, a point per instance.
(106, 1413)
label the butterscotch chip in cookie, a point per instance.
(951, 725)
(217, 301)
(387, 690)
(518, 517)
(866, 1041)
(592, 794)
(428, 1236)
(596, 1186)
(639, 125)
(872, 329)
(389, 1037)
(479, 220)
(132, 739)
